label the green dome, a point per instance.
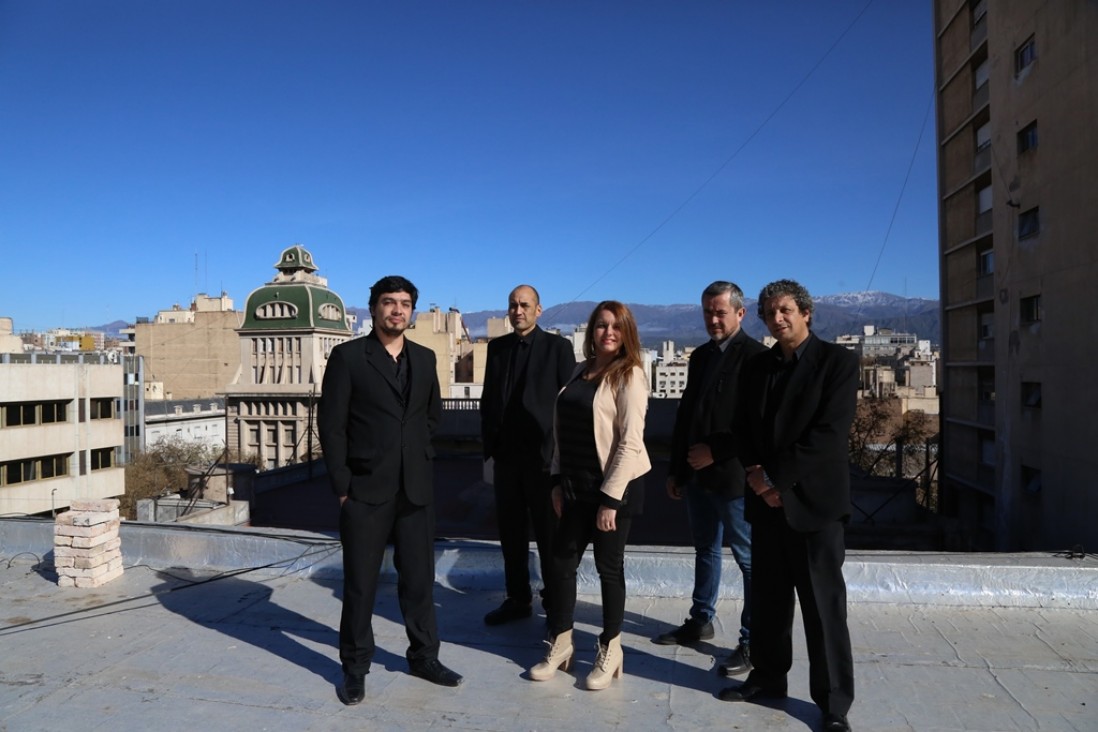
(296, 299)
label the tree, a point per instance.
(880, 429)
(161, 470)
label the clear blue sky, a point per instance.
(150, 150)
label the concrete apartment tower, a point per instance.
(291, 324)
(1017, 117)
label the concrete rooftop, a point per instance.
(235, 629)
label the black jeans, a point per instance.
(574, 533)
(522, 501)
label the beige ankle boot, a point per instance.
(558, 656)
(609, 665)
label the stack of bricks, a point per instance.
(87, 550)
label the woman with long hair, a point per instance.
(598, 429)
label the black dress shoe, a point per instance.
(738, 662)
(836, 723)
(749, 692)
(691, 631)
(511, 609)
(435, 672)
(354, 688)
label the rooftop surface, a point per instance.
(236, 629)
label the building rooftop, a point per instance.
(229, 629)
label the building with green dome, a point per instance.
(290, 326)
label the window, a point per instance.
(1029, 223)
(986, 262)
(987, 450)
(1031, 479)
(983, 200)
(1030, 309)
(979, 10)
(983, 136)
(102, 458)
(987, 326)
(986, 387)
(30, 413)
(1031, 394)
(102, 408)
(54, 412)
(1025, 55)
(980, 75)
(21, 471)
(1027, 137)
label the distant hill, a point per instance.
(835, 315)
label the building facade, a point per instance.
(61, 431)
(189, 353)
(290, 326)
(1017, 124)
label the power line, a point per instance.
(730, 158)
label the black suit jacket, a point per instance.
(372, 439)
(806, 454)
(707, 411)
(551, 362)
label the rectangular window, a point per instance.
(102, 408)
(102, 458)
(1025, 55)
(987, 451)
(987, 326)
(1027, 137)
(979, 10)
(1031, 394)
(21, 471)
(1029, 223)
(1031, 479)
(983, 136)
(980, 74)
(54, 466)
(54, 412)
(983, 200)
(986, 262)
(1030, 309)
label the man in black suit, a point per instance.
(794, 420)
(704, 468)
(524, 372)
(378, 412)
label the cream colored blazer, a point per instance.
(619, 432)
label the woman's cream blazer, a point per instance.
(619, 431)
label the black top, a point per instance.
(579, 457)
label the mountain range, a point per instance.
(835, 315)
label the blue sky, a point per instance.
(150, 150)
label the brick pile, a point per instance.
(87, 550)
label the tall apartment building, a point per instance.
(61, 431)
(291, 324)
(1017, 118)
(189, 353)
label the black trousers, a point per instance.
(364, 530)
(810, 563)
(522, 501)
(575, 532)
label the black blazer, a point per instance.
(551, 362)
(708, 410)
(372, 440)
(807, 453)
